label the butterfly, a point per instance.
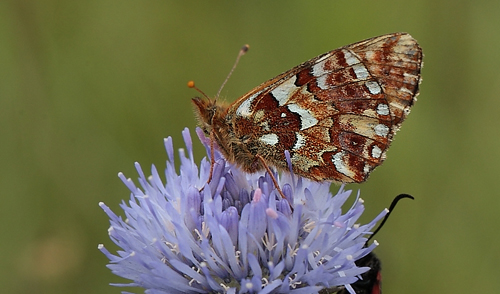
(335, 114)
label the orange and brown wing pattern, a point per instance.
(337, 113)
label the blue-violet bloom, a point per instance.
(235, 234)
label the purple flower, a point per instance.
(235, 234)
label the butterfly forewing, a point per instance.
(336, 114)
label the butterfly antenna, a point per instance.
(242, 52)
(391, 208)
(191, 84)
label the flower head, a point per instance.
(235, 234)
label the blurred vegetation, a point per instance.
(89, 87)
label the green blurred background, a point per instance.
(89, 87)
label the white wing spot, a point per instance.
(339, 163)
(283, 92)
(373, 87)
(383, 109)
(381, 130)
(283, 114)
(270, 139)
(300, 141)
(245, 108)
(318, 68)
(376, 152)
(307, 120)
(360, 71)
(366, 169)
(349, 57)
(321, 82)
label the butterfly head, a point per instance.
(205, 110)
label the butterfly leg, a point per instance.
(212, 160)
(263, 161)
(212, 157)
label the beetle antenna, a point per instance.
(391, 208)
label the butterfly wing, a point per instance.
(337, 113)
